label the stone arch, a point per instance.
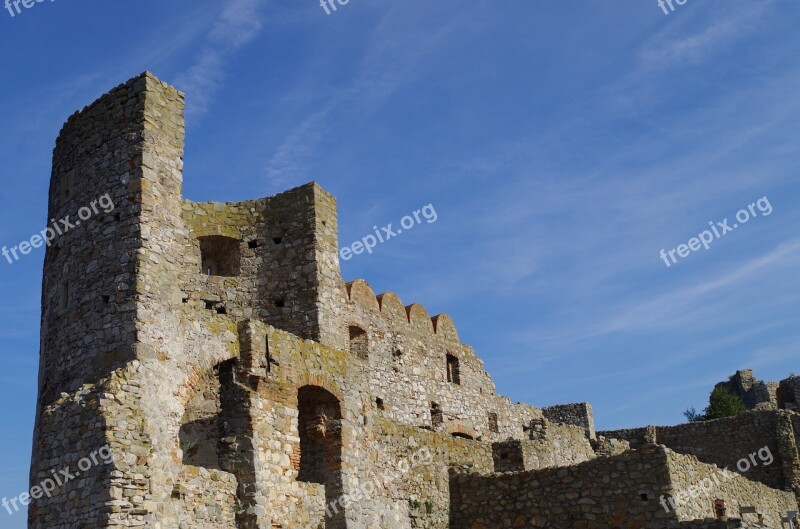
(198, 434)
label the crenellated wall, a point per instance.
(408, 358)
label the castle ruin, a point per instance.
(241, 383)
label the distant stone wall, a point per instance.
(576, 414)
(754, 393)
(696, 486)
(789, 394)
(725, 442)
(626, 490)
(559, 445)
(565, 498)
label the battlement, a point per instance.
(389, 305)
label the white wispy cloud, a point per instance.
(675, 44)
(239, 23)
(389, 62)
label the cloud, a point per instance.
(389, 62)
(672, 45)
(239, 23)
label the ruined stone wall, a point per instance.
(602, 493)
(579, 414)
(127, 145)
(555, 445)
(281, 275)
(625, 490)
(754, 393)
(408, 359)
(696, 486)
(789, 393)
(724, 442)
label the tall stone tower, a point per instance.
(120, 343)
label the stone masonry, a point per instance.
(239, 382)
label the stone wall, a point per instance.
(576, 414)
(696, 486)
(628, 490)
(743, 435)
(557, 445)
(789, 393)
(279, 278)
(408, 358)
(602, 493)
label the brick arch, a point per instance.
(461, 428)
(309, 379)
(188, 389)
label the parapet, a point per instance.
(390, 307)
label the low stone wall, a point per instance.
(726, 442)
(696, 486)
(559, 445)
(579, 414)
(650, 488)
(599, 494)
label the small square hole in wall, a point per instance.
(209, 305)
(252, 244)
(379, 403)
(280, 303)
(222, 310)
(277, 240)
(643, 497)
(106, 298)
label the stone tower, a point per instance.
(117, 286)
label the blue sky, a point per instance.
(562, 144)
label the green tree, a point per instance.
(723, 403)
